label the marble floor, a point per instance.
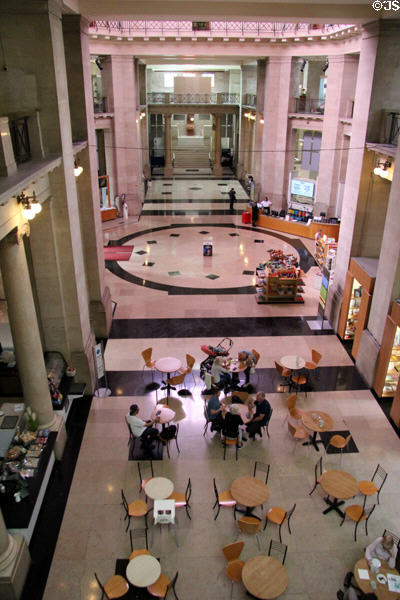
(320, 552)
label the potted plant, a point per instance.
(31, 420)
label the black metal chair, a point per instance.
(222, 499)
(168, 441)
(115, 587)
(231, 442)
(143, 481)
(379, 477)
(265, 426)
(279, 516)
(358, 513)
(317, 474)
(183, 499)
(277, 550)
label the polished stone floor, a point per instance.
(320, 552)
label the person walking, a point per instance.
(232, 199)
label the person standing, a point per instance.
(254, 212)
(232, 199)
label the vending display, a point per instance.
(354, 308)
(392, 375)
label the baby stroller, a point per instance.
(222, 349)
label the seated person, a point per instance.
(261, 416)
(214, 411)
(232, 421)
(245, 357)
(382, 548)
(222, 378)
(143, 430)
(266, 205)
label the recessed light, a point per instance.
(94, 37)
(296, 39)
(355, 28)
(178, 39)
(226, 39)
(257, 40)
(210, 39)
(146, 39)
(323, 37)
(194, 39)
(162, 39)
(241, 39)
(129, 39)
(106, 37)
(272, 40)
(309, 39)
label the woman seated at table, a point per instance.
(382, 548)
(231, 427)
(221, 375)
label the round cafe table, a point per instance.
(243, 409)
(382, 590)
(249, 492)
(143, 570)
(313, 425)
(339, 485)
(265, 577)
(292, 362)
(159, 488)
(168, 365)
(235, 367)
(163, 414)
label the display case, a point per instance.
(357, 296)
(386, 382)
(278, 280)
(325, 254)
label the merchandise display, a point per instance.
(278, 279)
(354, 308)
(392, 375)
(325, 254)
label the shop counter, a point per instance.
(107, 214)
(299, 228)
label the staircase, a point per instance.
(191, 152)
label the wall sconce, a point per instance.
(250, 116)
(382, 169)
(142, 115)
(31, 206)
(262, 121)
(77, 168)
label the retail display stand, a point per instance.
(278, 279)
(357, 296)
(325, 254)
(386, 382)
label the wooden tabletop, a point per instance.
(313, 424)
(249, 491)
(382, 590)
(168, 364)
(163, 414)
(292, 362)
(143, 570)
(235, 366)
(265, 577)
(159, 488)
(339, 484)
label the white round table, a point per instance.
(163, 414)
(143, 570)
(159, 488)
(292, 362)
(168, 365)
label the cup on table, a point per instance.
(314, 416)
(373, 584)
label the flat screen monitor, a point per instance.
(300, 187)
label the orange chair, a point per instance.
(293, 411)
(162, 586)
(234, 566)
(137, 508)
(115, 587)
(316, 357)
(136, 534)
(222, 499)
(278, 515)
(144, 480)
(358, 513)
(148, 362)
(190, 360)
(230, 442)
(250, 525)
(339, 442)
(284, 375)
(297, 433)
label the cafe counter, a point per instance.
(331, 230)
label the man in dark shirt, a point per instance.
(261, 416)
(232, 198)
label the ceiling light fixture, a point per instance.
(30, 205)
(382, 169)
(77, 168)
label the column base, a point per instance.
(14, 569)
(168, 171)
(101, 314)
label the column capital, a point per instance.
(16, 235)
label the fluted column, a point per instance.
(217, 169)
(168, 168)
(24, 326)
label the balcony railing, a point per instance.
(310, 106)
(393, 123)
(100, 106)
(250, 100)
(216, 28)
(213, 98)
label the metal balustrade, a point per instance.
(311, 106)
(190, 98)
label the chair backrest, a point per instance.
(292, 429)
(348, 439)
(291, 401)
(294, 413)
(261, 466)
(279, 368)
(249, 525)
(278, 550)
(233, 551)
(190, 360)
(396, 538)
(290, 513)
(381, 474)
(140, 470)
(316, 356)
(100, 585)
(139, 534)
(188, 491)
(164, 511)
(269, 416)
(242, 395)
(147, 355)
(177, 379)
(173, 584)
(215, 489)
(234, 570)
(256, 356)
(367, 512)
(124, 501)
(227, 441)
(318, 469)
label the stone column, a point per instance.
(8, 166)
(217, 169)
(363, 91)
(168, 168)
(250, 158)
(127, 151)
(24, 326)
(342, 75)
(14, 563)
(276, 106)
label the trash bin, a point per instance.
(207, 248)
(246, 217)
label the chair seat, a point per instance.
(145, 481)
(310, 366)
(150, 364)
(355, 512)
(179, 498)
(300, 434)
(299, 379)
(276, 514)
(159, 588)
(337, 441)
(138, 553)
(286, 372)
(116, 586)
(368, 488)
(226, 498)
(138, 508)
(234, 570)
(230, 442)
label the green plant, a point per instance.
(31, 420)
